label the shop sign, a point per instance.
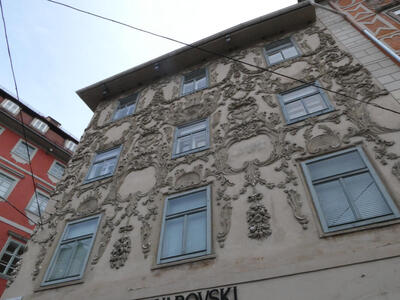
(227, 293)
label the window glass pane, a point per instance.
(14, 262)
(366, 196)
(199, 139)
(61, 263)
(5, 185)
(295, 110)
(192, 128)
(12, 247)
(107, 154)
(103, 168)
(336, 165)
(397, 12)
(188, 87)
(81, 228)
(289, 52)
(186, 202)
(21, 150)
(6, 258)
(201, 83)
(314, 103)
(79, 256)
(57, 170)
(275, 58)
(173, 237)
(196, 233)
(334, 203)
(184, 144)
(299, 93)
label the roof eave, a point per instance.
(285, 20)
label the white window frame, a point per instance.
(12, 108)
(39, 125)
(32, 205)
(13, 184)
(14, 150)
(194, 77)
(64, 241)
(51, 172)
(207, 208)
(369, 168)
(278, 47)
(325, 99)
(70, 145)
(117, 155)
(193, 150)
(13, 255)
(394, 13)
(126, 102)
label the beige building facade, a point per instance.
(268, 172)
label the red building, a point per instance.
(49, 148)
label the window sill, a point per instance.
(175, 156)
(395, 220)
(296, 122)
(282, 61)
(96, 179)
(57, 285)
(183, 261)
(193, 92)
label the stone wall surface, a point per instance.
(252, 167)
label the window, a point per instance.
(6, 185)
(39, 125)
(395, 13)
(346, 190)
(186, 226)
(70, 145)
(104, 164)
(22, 148)
(1, 130)
(126, 107)
(10, 255)
(57, 169)
(304, 102)
(194, 81)
(281, 51)
(42, 200)
(191, 138)
(72, 253)
(10, 106)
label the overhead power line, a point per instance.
(21, 121)
(218, 54)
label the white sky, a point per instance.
(57, 51)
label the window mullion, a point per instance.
(350, 199)
(184, 234)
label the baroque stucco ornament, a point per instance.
(241, 104)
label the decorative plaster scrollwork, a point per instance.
(225, 223)
(396, 170)
(323, 142)
(294, 201)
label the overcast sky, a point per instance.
(57, 51)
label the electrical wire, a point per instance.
(21, 120)
(218, 54)
(18, 210)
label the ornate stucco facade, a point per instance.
(267, 237)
